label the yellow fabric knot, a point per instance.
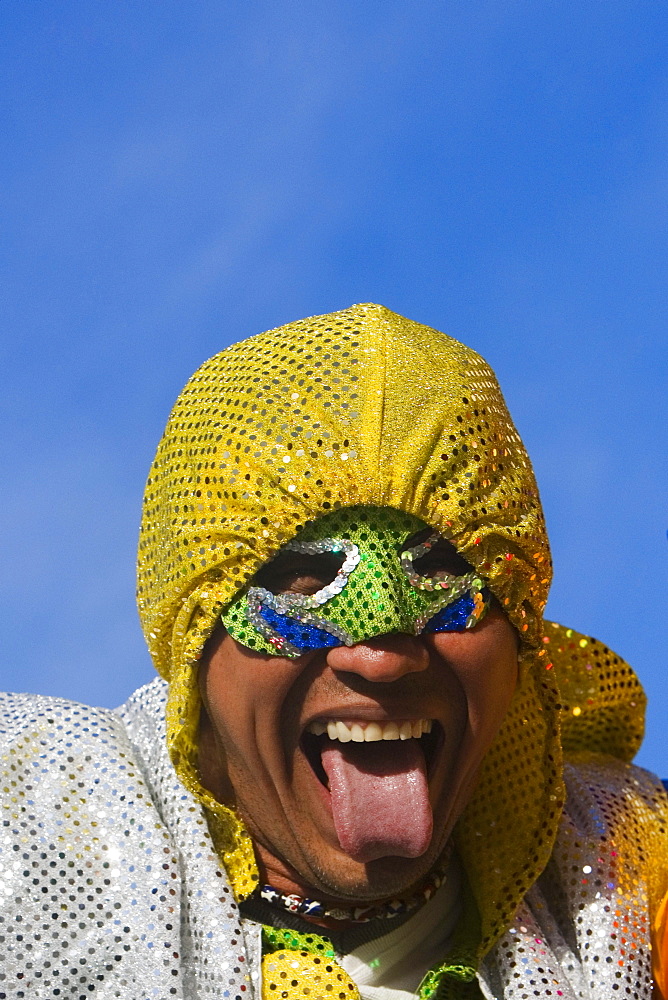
(301, 974)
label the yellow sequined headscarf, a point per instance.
(359, 407)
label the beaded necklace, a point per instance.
(304, 907)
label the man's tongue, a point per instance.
(380, 798)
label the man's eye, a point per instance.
(430, 565)
(441, 559)
(297, 581)
(293, 573)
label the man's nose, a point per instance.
(383, 659)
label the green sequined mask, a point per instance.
(377, 589)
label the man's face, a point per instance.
(353, 818)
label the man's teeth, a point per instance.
(371, 732)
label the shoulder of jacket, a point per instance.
(32, 726)
(25, 716)
(602, 775)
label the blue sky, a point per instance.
(178, 176)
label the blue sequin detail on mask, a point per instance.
(300, 634)
(453, 617)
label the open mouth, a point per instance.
(377, 779)
(321, 734)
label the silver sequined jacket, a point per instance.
(110, 885)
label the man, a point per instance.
(371, 769)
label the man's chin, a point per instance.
(348, 881)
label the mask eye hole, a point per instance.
(440, 561)
(299, 572)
